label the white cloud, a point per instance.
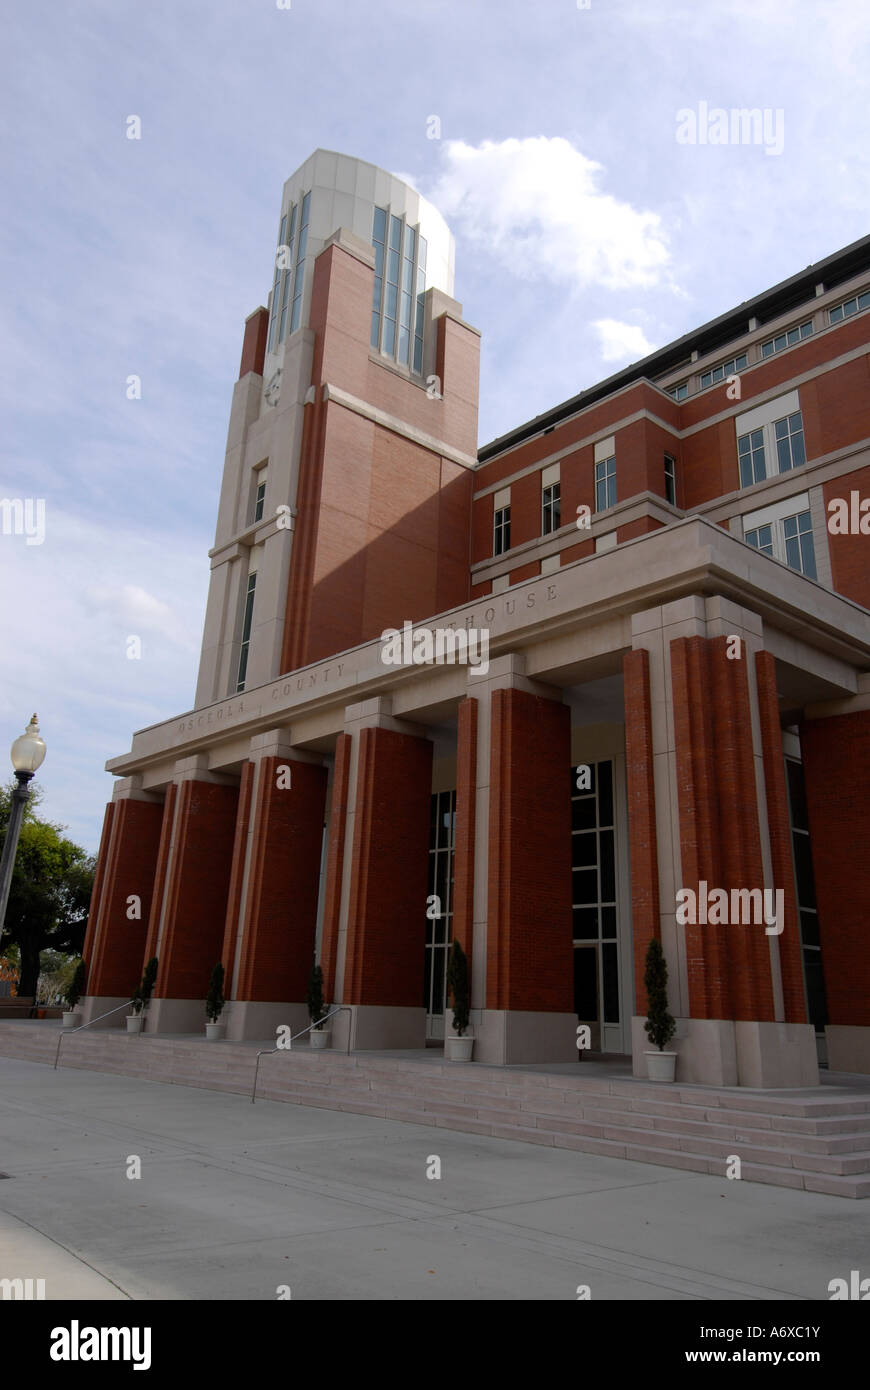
(622, 342)
(538, 205)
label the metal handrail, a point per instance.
(267, 1051)
(67, 1032)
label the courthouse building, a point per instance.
(674, 601)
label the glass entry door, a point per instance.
(439, 909)
(594, 889)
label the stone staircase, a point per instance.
(816, 1139)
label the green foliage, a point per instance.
(660, 1026)
(50, 891)
(215, 1001)
(457, 985)
(143, 993)
(76, 987)
(316, 1006)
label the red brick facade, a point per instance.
(640, 787)
(116, 968)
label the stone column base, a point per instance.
(848, 1047)
(249, 1019)
(92, 1005)
(175, 1016)
(725, 1052)
(512, 1035)
(379, 1027)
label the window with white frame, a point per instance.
(787, 339)
(718, 373)
(849, 307)
(785, 533)
(670, 479)
(605, 484)
(551, 508)
(501, 532)
(258, 503)
(299, 273)
(287, 271)
(770, 440)
(679, 392)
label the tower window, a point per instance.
(399, 287)
(246, 632)
(670, 480)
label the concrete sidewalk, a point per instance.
(237, 1201)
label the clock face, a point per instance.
(273, 389)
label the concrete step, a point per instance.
(815, 1142)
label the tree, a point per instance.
(660, 1025)
(76, 988)
(316, 1006)
(457, 984)
(215, 1001)
(143, 993)
(50, 891)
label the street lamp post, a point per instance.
(27, 754)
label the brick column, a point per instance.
(640, 788)
(464, 843)
(384, 956)
(529, 941)
(279, 906)
(836, 753)
(191, 927)
(97, 889)
(128, 860)
(794, 1004)
(335, 863)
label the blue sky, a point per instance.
(586, 235)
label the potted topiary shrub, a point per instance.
(660, 1025)
(214, 1004)
(457, 1046)
(139, 1002)
(75, 990)
(318, 1037)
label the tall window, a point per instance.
(276, 283)
(299, 275)
(439, 929)
(399, 288)
(551, 508)
(288, 276)
(670, 479)
(605, 484)
(789, 435)
(593, 896)
(811, 948)
(788, 539)
(260, 500)
(501, 540)
(246, 631)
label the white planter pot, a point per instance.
(134, 1023)
(660, 1066)
(318, 1038)
(214, 1031)
(458, 1049)
(71, 1018)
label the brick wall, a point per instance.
(335, 863)
(466, 810)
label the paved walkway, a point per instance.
(236, 1201)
